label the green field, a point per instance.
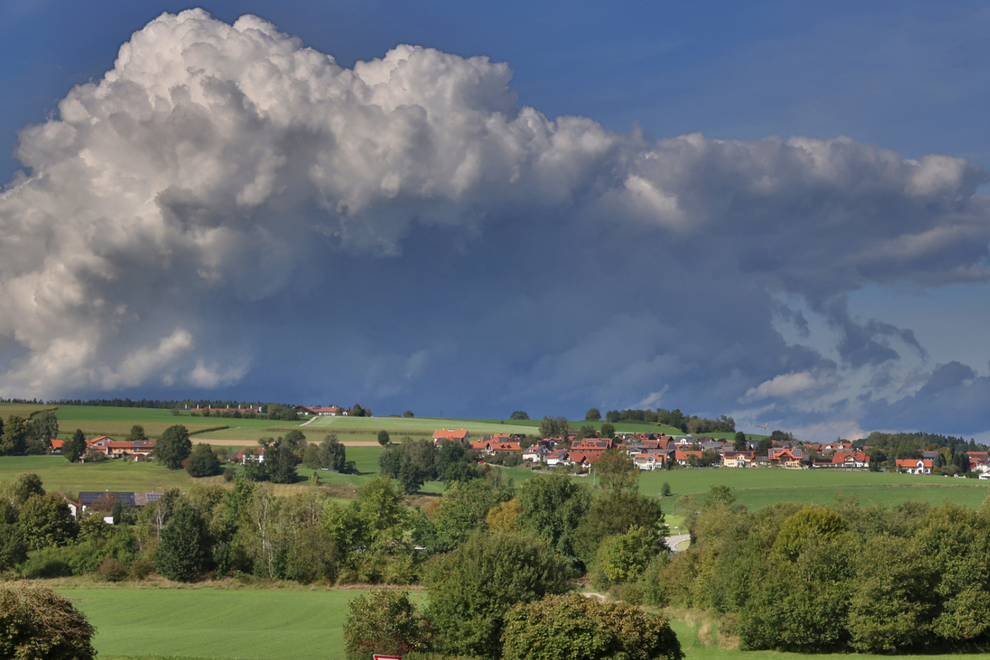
(252, 624)
(290, 624)
(123, 476)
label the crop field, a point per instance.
(24, 410)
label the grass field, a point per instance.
(123, 476)
(246, 624)
(291, 624)
(757, 488)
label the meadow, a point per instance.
(151, 623)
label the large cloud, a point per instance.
(221, 174)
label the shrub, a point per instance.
(581, 628)
(630, 592)
(384, 621)
(140, 569)
(39, 623)
(111, 570)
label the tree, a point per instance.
(607, 430)
(280, 462)
(519, 415)
(719, 496)
(554, 427)
(463, 509)
(203, 462)
(383, 438)
(45, 521)
(38, 623)
(46, 427)
(586, 431)
(740, 443)
(13, 439)
(665, 490)
(332, 455)
(622, 558)
(137, 434)
(615, 513)
(408, 413)
(472, 587)
(357, 411)
(617, 471)
(385, 622)
(552, 508)
(75, 448)
(580, 628)
(173, 447)
(593, 415)
(185, 549)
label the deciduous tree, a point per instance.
(173, 447)
(39, 623)
(580, 628)
(185, 549)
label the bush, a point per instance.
(580, 628)
(384, 621)
(654, 592)
(140, 569)
(39, 623)
(203, 462)
(630, 592)
(229, 473)
(111, 570)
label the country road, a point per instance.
(676, 540)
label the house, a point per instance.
(683, 456)
(105, 498)
(536, 454)
(647, 461)
(245, 455)
(979, 461)
(499, 447)
(914, 465)
(593, 445)
(785, 457)
(738, 459)
(850, 459)
(459, 435)
(559, 457)
(585, 459)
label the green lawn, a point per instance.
(245, 624)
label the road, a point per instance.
(676, 540)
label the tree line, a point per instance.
(839, 578)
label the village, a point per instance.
(658, 451)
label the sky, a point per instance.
(777, 211)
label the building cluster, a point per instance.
(655, 451)
(130, 449)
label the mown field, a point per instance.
(294, 623)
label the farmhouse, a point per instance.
(104, 500)
(738, 459)
(915, 465)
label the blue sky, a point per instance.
(459, 253)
